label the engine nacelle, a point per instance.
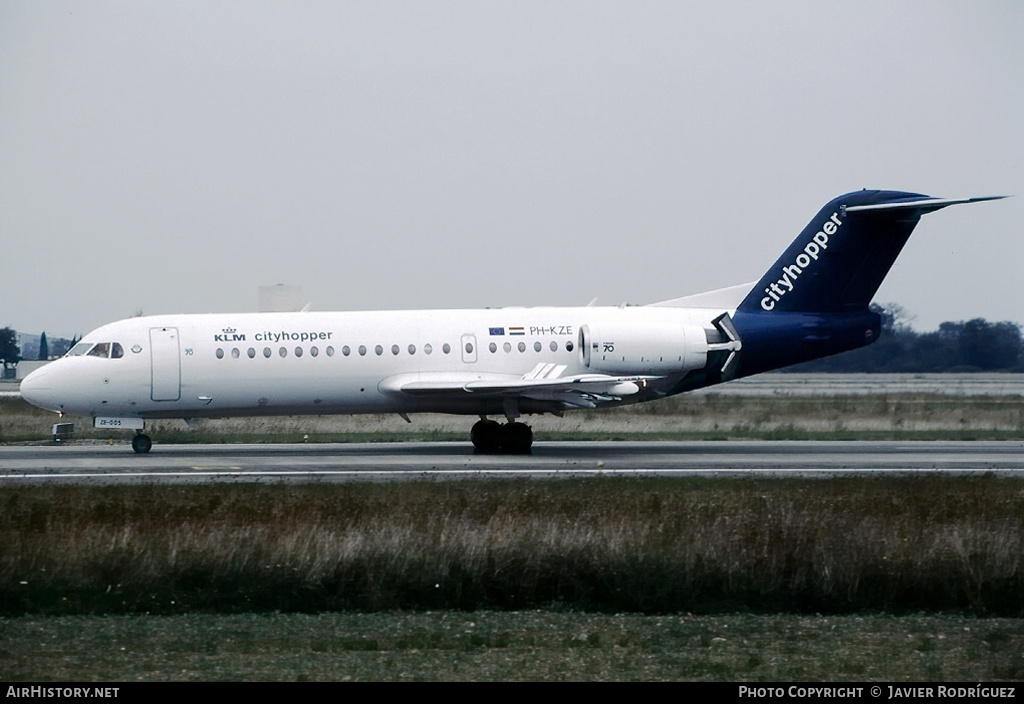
(643, 347)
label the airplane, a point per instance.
(510, 362)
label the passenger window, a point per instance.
(412, 349)
(251, 353)
(536, 346)
(298, 351)
(492, 347)
(284, 352)
(362, 350)
(314, 351)
(522, 346)
(266, 352)
(346, 351)
(554, 346)
(568, 346)
(446, 348)
(394, 349)
(428, 348)
(235, 353)
(330, 350)
(379, 350)
(220, 353)
(507, 347)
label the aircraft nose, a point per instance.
(37, 389)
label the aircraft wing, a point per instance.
(543, 383)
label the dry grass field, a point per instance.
(897, 545)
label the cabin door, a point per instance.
(165, 363)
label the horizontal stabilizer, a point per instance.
(923, 204)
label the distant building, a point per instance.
(280, 299)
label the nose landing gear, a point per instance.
(141, 443)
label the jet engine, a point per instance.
(643, 348)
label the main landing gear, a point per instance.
(512, 438)
(141, 443)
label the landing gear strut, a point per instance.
(141, 443)
(512, 438)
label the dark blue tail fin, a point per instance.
(814, 300)
(839, 260)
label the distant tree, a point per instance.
(895, 318)
(986, 345)
(44, 349)
(10, 353)
(59, 346)
(1009, 347)
(932, 352)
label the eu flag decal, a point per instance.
(497, 331)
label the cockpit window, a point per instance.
(111, 350)
(102, 349)
(79, 349)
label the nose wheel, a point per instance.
(142, 444)
(492, 437)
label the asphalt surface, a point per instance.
(190, 464)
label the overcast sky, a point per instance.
(174, 156)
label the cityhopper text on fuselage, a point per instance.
(509, 363)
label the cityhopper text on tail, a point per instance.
(812, 302)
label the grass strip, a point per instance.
(525, 645)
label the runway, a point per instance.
(191, 464)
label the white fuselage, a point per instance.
(218, 365)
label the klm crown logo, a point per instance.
(229, 334)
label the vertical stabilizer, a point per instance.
(838, 261)
(814, 299)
